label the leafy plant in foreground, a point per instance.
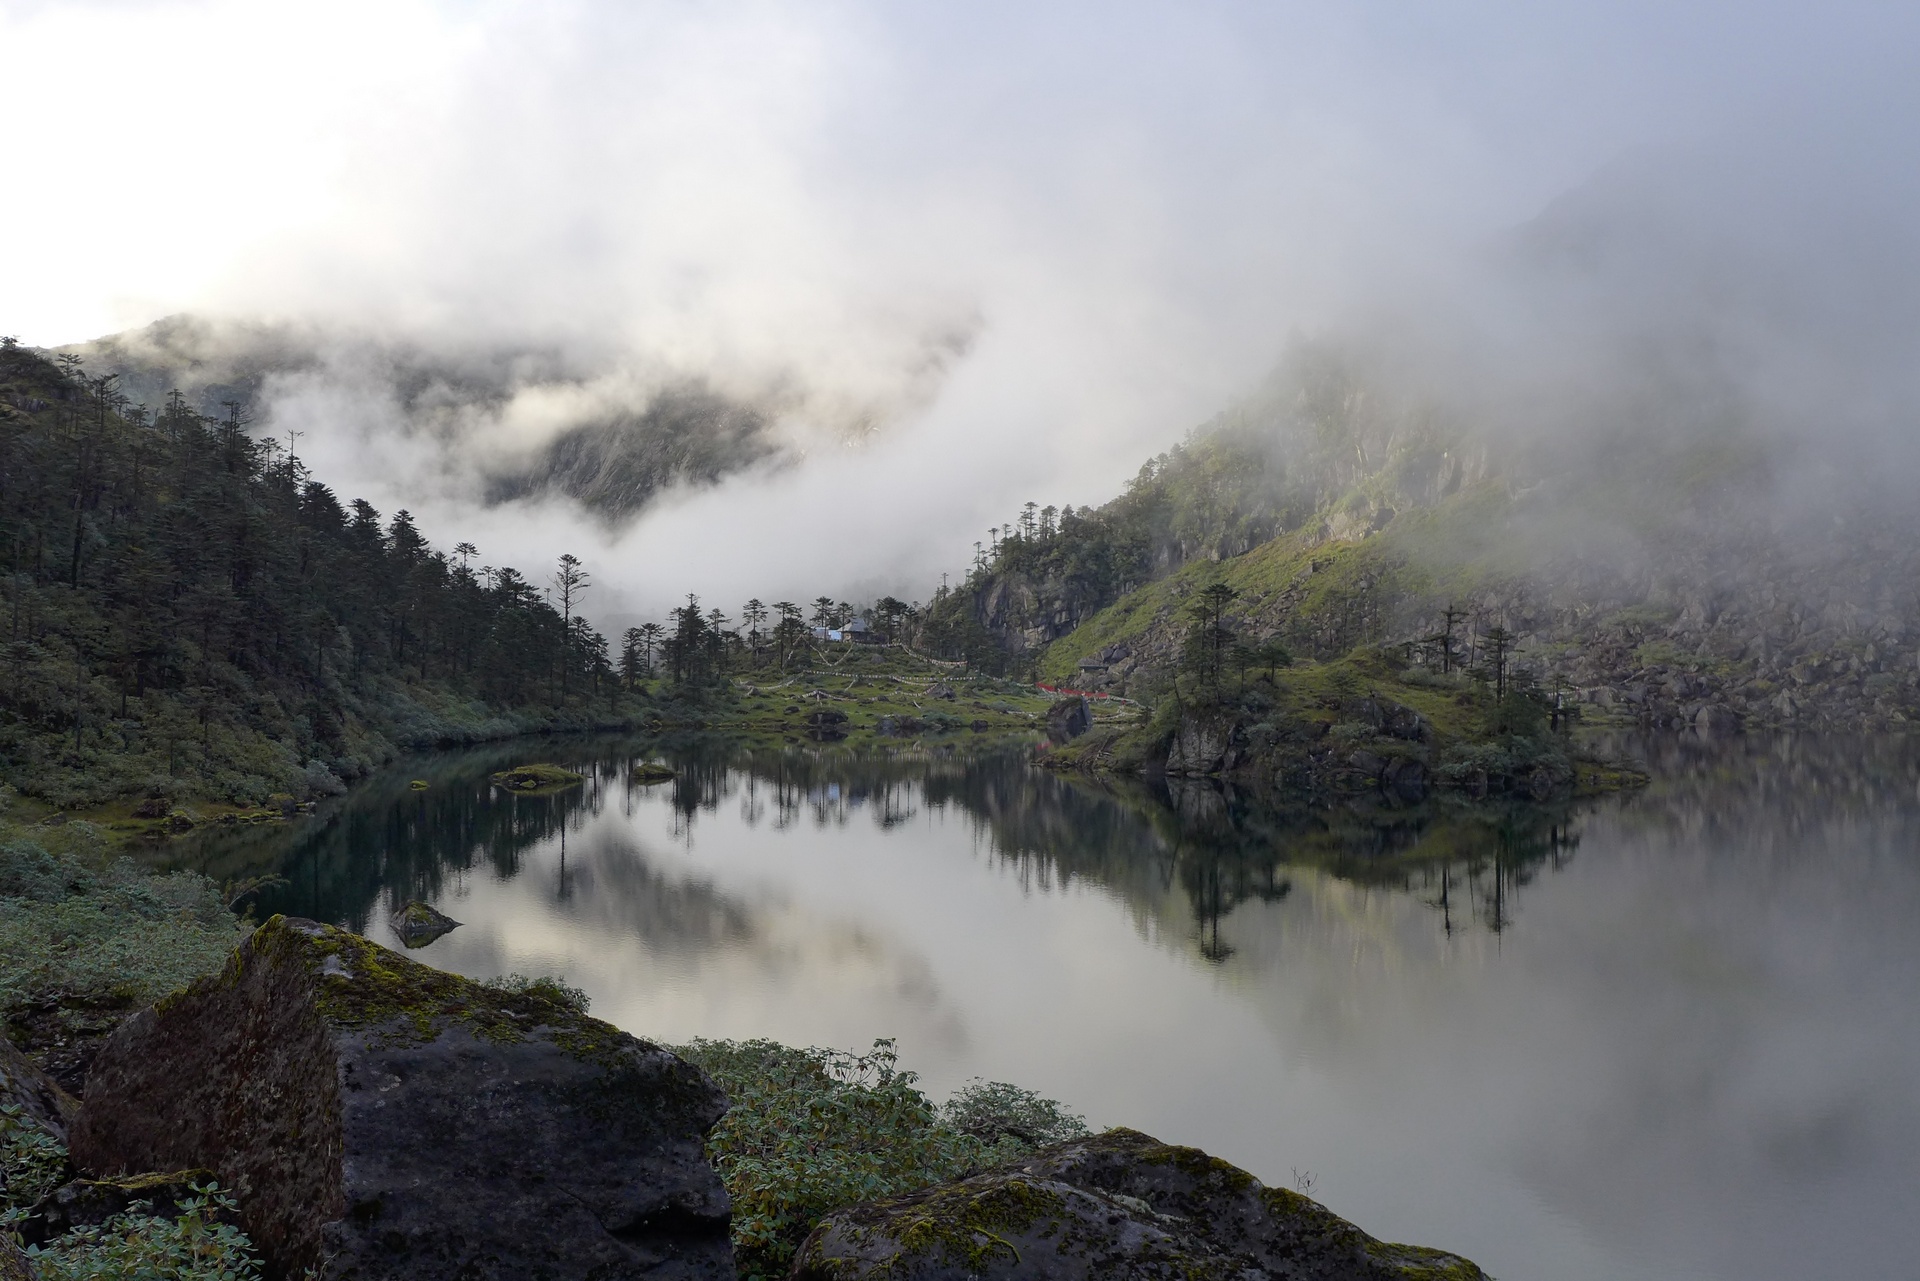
(134, 1246)
(813, 1131)
(32, 1160)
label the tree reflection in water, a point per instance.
(1217, 846)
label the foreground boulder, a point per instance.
(379, 1119)
(1119, 1206)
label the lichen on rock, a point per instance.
(1119, 1206)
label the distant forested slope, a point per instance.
(1656, 566)
(189, 613)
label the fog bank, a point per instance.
(926, 265)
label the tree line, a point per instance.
(698, 647)
(172, 576)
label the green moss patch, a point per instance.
(537, 779)
(359, 984)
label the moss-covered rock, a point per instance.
(537, 779)
(381, 1119)
(419, 924)
(1119, 1206)
(653, 772)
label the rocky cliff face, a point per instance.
(1026, 614)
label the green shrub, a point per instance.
(33, 1161)
(1347, 735)
(551, 989)
(72, 936)
(813, 1131)
(992, 1111)
(134, 1246)
(142, 1247)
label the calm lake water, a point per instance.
(1674, 1035)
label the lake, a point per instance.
(1670, 1035)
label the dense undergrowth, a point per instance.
(813, 1131)
(87, 937)
(198, 1243)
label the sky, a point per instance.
(985, 253)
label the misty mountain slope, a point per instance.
(615, 465)
(1655, 574)
(513, 422)
(1668, 431)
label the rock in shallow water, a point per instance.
(419, 924)
(1069, 718)
(380, 1119)
(1119, 1206)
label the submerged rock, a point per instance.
(418, 924)
(380, 1119)
(1119, 1206)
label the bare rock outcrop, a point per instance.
(376, 1118)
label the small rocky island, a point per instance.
(376, 1118)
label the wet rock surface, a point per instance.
(1120, 1206)
(377, 1118)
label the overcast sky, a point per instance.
(1122, 210)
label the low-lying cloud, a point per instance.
(923, 264)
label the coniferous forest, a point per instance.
(189, 613)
